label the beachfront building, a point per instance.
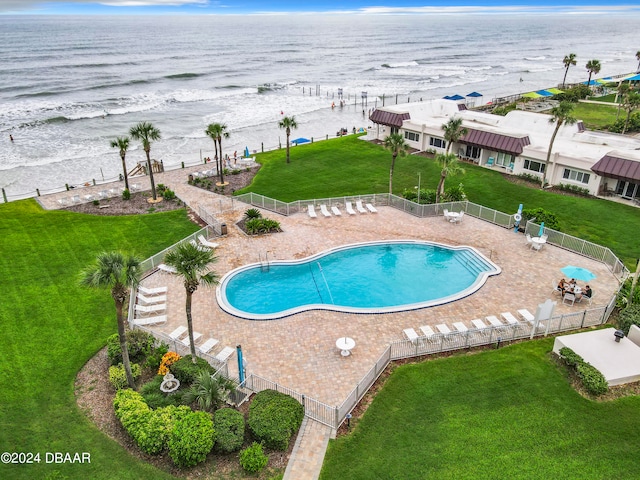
(603, 163)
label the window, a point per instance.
(576, 176)
(504, 159)
(437, 142)
(534, 166)
(413, 136)
(473, 152)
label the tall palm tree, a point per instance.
(122, 143)
(396, 145)
(146, 132)
(453, 131)
(560, 115)
(568, 61)
(192, 264)
(630, 102)
(450, 166)
(593, 66)
(638, 58)
(288, 123)
(118, 272)
(213, 131)
(221, 131)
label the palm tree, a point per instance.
(450, 166)
(192, 264)
(220, 130)
(593, 66)
(568, 61)
(288, 123)
(123, 144)
(630, 102)
(453, 131)
(209, 391)
(395, 144)
(213, 132)
(638, 58)
(146, 132)
(119, 272)
(560, 115)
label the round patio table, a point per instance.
(345, 344)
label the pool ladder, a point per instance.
(264, 264)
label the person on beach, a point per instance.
(11, 137)
(235, 157)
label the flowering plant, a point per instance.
(168, 359)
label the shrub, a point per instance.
(186, 371)
(529, 177)
(253, 459)
(622, 299)
(132, 411)
(126, 194)
(153, 438)
(191, 439)
(118, 377)
(274, 417)
(154, 359)
(574, 189)
(541, 215)
(570, 357)
(229, 426)
(254, 226)
(208, 391)
(168, 359)
(169, 194)
(252, 213)
(455, 193)
(139, 344)
(629, 316)
(592, 378)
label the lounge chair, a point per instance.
(166, 268)
(509, 318)
(443, 328)
(186, 340)
(178, 332)
(208, 345)
(152, 299)
(150, 320)
(349, 208)
(459, 326)
(411, 335)
(371, 208)
(428, 332)
(152, 291)
(160, 307)
(202, 248)
(336, 211)
(493, 321)
(526, 315)
(312, 212)
(75, 199)
(359, 207)
(206, 243)
(63, 201)
(325, 212)
(224, 354)
(480, 326)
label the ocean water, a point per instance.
(69, 85)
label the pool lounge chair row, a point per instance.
(90, 197)
(181, 336)
(336, 211)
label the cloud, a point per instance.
(35, 5)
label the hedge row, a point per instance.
(274, 417)
(592, 379)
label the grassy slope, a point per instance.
(348, 166)
(498, 414)
(51, 327)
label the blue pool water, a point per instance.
(376, 277)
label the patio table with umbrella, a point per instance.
(578, 273)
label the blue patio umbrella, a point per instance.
(578, 273)
(544, 93)
(541, 231)
(456, 97)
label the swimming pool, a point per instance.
(373, 277)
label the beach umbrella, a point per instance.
(300, 140)
(474, 95)
(456, 97)
(541, 231)
(578, 273)
(531, 95)
(554, 90)
(246, 152)
(544, 93)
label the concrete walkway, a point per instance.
(306, 459)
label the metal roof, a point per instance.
(496, 141)
(389, 118)
(619, 168)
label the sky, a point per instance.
(234, 7)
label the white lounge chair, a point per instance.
(411, 334)
(459, 326)
(150, 320)
(202, 248)
(325, 212)
(186, 341)
(443, 328)
(336, 211)
(224, 354)
(349, 208)
(208, 345)
(359, 207)
(206, 243)
(371, 208)
(428, 332)
(509, 318)
(569, 298)
(160, 307)
(493, 321)
(312, 212)
(178, 332)
(166, 268)
(152, 299)
(480, 325)
(526, 315)
(152, 291)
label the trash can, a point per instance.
(223, 229)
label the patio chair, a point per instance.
(446, 214)
(490, 162)
(359, 207)
(556, 288)
(480, 326)
(526, 315)
(178, 332)
(495, 322)
(336, 211)
(208, 345)
(150, 320)
(459, 326)
(159, 307)
(151, 299)
(428, 332)
(349, 208)
(509, 318)
(206, 243)
(152, 291)
(312, 211)
(224, 354)
(166, 268)
(371, 208)
(529, 240)
(325, 212)
(186, 341)
(569, 297)
(411, 335)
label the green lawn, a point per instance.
(507, 413)
(349, 166)
(51, 327)
(596, 117)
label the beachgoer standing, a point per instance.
(11, 137)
